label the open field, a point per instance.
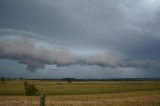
(120, 93)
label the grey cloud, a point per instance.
(36, 53)
(106, 59)
(117, 61)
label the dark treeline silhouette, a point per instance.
(75, 79)
(9, 78)
(110, 79)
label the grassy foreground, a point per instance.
(121, 93)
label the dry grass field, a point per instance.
(123, 93)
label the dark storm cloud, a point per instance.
(128, 29)
(119, 25)
(36, 16)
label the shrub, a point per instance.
(2, 79)
(30, 89)
(69, 81)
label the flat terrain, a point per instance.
(116, 93)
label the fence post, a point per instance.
(42, 100)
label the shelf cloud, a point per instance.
(36, 53)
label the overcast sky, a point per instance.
(80, 38)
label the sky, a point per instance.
(80, 38)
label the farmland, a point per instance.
(91, 93)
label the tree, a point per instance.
(69, 81)
(30, 89)
(2, 79)
(21, 78)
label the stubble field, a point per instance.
(97, 93)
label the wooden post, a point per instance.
(42, 100)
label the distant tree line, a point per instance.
(8, 79)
